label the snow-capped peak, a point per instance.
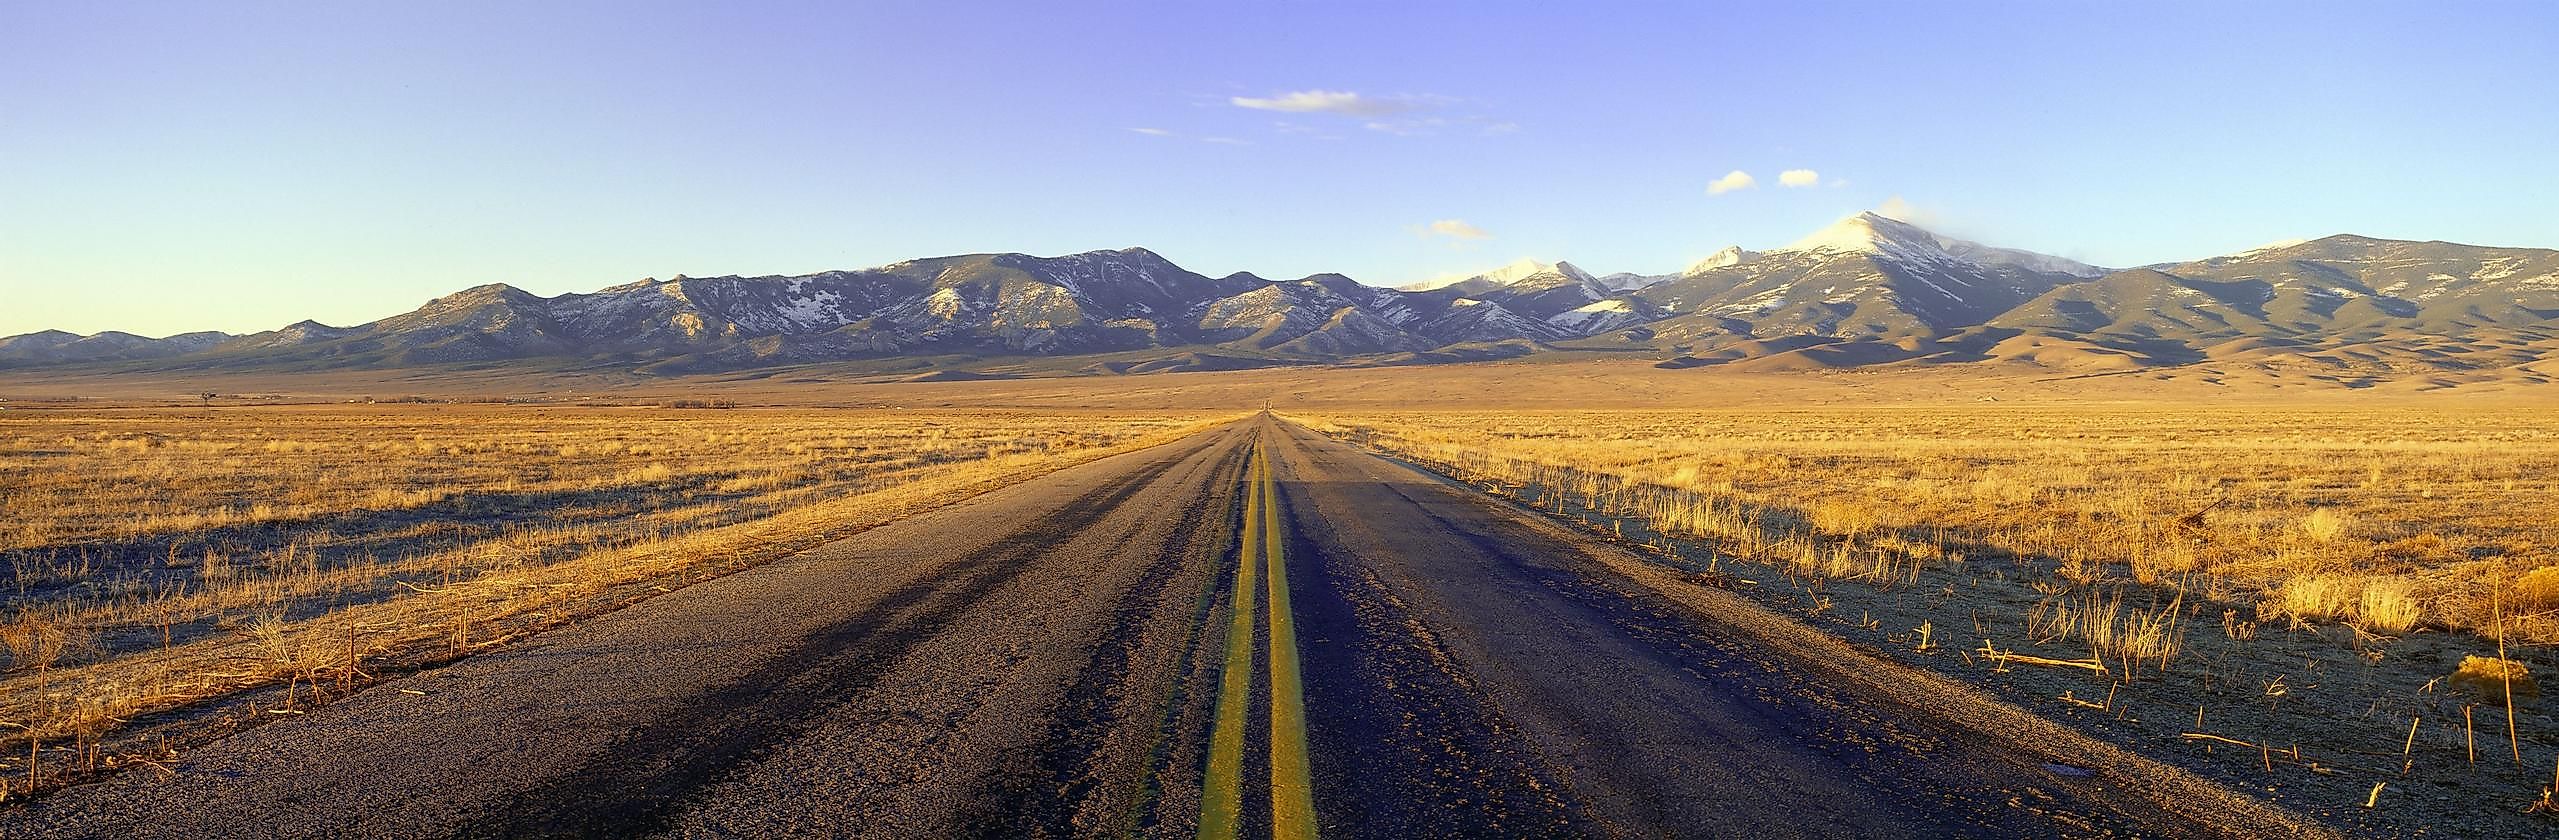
(1527, 268)
(1505, 275)
(1867, 233)
(1731, 255)
(1871, 233)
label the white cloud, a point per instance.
(1799, 178)
(1153, 132)
(1327, 101)
(1457, 229)
(1901, 209)
(1734, 180)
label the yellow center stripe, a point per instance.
(1292, 792)
(1222, 793)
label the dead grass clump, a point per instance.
(2135, 637)
(2319, 597)
(2537, 590)
(2389, 605)
(2375, 603)
(33, 643)
(2326, 525)
(2488, 677)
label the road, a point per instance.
(1255, 630)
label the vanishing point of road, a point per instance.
(1255, 631)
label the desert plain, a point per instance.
(2336, 600)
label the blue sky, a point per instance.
(238, 166)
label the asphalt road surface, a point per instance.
(1255, 631)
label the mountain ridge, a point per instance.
(1868, 290)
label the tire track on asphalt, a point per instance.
(1092, 707)
(1409, 745)
(633, 786)
(1671, 717)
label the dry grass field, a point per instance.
(154, 559)
(2337, 587)
(2386, 519)
(2304, 591)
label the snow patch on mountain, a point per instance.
(1871, 234)
(1505, 275)
(1732, 255)
(1627, 281)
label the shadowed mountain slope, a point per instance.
(1868, 290)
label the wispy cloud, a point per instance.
(1734, 180)
(1403, 115)
(1153, 132)
(1456, 229)
(1329, 102)
(1799, 178)
(1901, 209)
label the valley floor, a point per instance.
(1069, 656)
(1561, 380)
(1803, 604)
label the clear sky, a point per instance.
(238, 165)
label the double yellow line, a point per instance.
(1292, 792)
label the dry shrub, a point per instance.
(2326, 525)
(2389, 605)
(2538, 590)
(2488, 677)
(2319, 597)
(2378, 604)
(33, 643)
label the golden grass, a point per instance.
(2128, 639)
(2490, 678)
(2391, 519)
(157, 559)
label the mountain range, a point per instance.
(1868, 290)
